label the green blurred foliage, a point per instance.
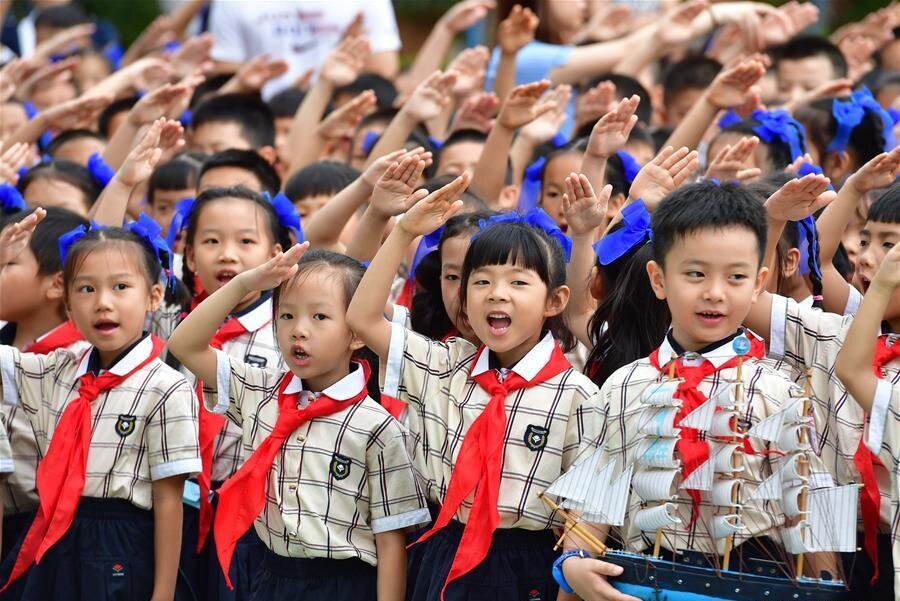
(129, 16)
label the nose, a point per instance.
(227, 252)
(103, 300)
(498, 292)
(714, 290)
(300, 330)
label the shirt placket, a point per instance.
(291, 474)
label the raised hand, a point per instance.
(15, 237)
(256, 73)
(888, 273)
(676, 27)
(470, 66)
(13, 74)
(346, 62)
(477, 112)
(395, 192)
(147, 73)
(800, 198)
(435, 209)
(342, 122)
(463, 15)
(430, 97)
(143, 158)
(729, 163)
(524, 105)
(516, 30)
(374, 171)
(77, 113)
(15, 157)
(789, 20)
(161, 102)
(273, 272)
(840, 88)
(880, 172)
(584, 210)
(595, 103)
(547, 125)
(160, 32)
(46, 75)
(611, 132)
(193, 54)
(668, 170)
(64, 41)
(732, 86)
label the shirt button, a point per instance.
(292, 487)
(300, 438)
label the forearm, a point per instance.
(854, 362)
(691, 129)
(303, 143)
(487, 180)
(505, 80)
(112, 204)
(369, 232)
(520, 156)
(391, 551)
(593, 59)
(325, 226)
(116, 150)
(578, 279)
(27, 133)
(594, 168)
(640, 56)
(774, 230)
(438, 127)
(167, 523)
(394, 137)
(184, 14)
(834, 219)
(428, 59)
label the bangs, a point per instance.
(887, 208)
(509, 243)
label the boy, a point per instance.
(317, 183)
(235, 167)
(708, 246)
(684, 84)
(76, 145)
(284, 105)
(460, 152)
(238, 121)
(805, 63)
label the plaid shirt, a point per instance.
(885, 442)
(763, 392)
(337, 481)
(808, 339)
(547, 425)
(145, 429)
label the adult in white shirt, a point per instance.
(302, 32)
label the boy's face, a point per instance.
(797, 76)
(709, 279)
(282, 129)
(12, 116)
(226, 176)
(49, 192)
(357, 152)
(680, 103)
(459, 157)
(216, 136)
(875, 240)
(162, 207)
(309, 205)
(23, 289)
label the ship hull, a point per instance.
(652, 579)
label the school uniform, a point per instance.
(335, 481)
(549, 419)
(810, 340)
(143, 429)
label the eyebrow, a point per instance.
(215, 230)
(701, 263)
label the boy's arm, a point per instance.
(72, 114)
(514, 32)
(673, 31)
(167, 522)
(390, 547)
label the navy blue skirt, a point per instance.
(325, 579)
(14, 527)
(518, 567)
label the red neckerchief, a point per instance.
(479, 464)
(243, 496)
(200, 293)
(453, 332)
(393, 405)
(61, 474)
(59, 337)
(211, 425)
(406, 293)
(694, 451)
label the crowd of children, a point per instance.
(338, 342)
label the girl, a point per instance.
(507, 418)
(108, 463)
(60, 184)
(558, 165)
(327, 478)
(171, 182)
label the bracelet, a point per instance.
(557, 568)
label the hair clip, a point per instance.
(149, 231)
(537, 218)
(779, 125)
(288, 217)
(11, 200)
(369, 141)
(635, 232)
(427, 244)
(630, 167)
(179, 221)
(100, 171)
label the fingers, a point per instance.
(673, 157)
(293, 254)
(681, 170)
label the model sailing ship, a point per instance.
(819, 519)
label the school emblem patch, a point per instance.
(536, 437)
(118, 570)
(125, 425)
(340, 466)
(255, 360)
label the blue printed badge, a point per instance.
(741, 345)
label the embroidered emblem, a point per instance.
(118, 570)
(125, 425)
(255, 360)
(535, 595)
(340, 466)
(536, 437)
(741, 345)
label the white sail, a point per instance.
(725, 493)
(608, 506)
(771, 427)
(832, 518)
(654, 485)
(790, 500)
(789, 439)
(797, 538)
(790, 467)
(726, 457)
(723, 424)
(723, 526)
(701, 478)
(661, 394)
(658, 421)
(725, 397)
(654, 518)
(701, 417)
(657, 452)
(575, 483)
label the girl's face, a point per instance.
(453, 252)
(231, 236)
(51, 192)
(109, 298)
(162, 207)
(506, 305)
(554, 185)
(566, 17)
(312, 329)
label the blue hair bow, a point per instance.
(69, 238)
(288, 216)
(100, 171)
(779, 125)
(635, 232)
(438, 144)
(183, 210)
(149, 231)
(630, 167)
(114, 53)
(369, 141)
(847, 114)
(894, 114)
(427, 244)
(728, 119)
(863, 97)
(538, 218)
(11, 200)
(559, 140)
(809, 241)
(186, 118)
(531, 185)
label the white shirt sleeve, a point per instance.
(226, 25)
(380, 25)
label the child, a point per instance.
(805, 63)
(683, 85)
(235, 167)
(317, 183)
(512, 291)
(169, 184)
(60, 184)
(327, 479)
(239, 121)
(106, 464)
(76, 145)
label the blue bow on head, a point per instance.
(728, 119)
(427, 244)
(288, 216)
(11, 200)
(100, 171)
(179, 221)
(22, 172)
(538, 218)
(635, 232)
(186, 117)
(630, 167)
(114, 53)
(531, 185)
(847, 114)
(808, 168)
(894, 114)
(369, 141)
(437, 144)
(149, 231)
(559, 140)
(69, 238)
(863, 97)
(779, 125)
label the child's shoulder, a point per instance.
(579, 383)
(165, 379)
(371, 417)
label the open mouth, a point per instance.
(299, 355)
(711, 317)
(498, 323)
(225, 276)
(105, 326)
(864, 282)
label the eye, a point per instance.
(519, 283)
(863, 243)
(86, 288)
(888, 245)
(120, 286)
(285, 317)
(319, 316)
(480, 283)
(694, 274)
(248, 241)
(209, 241)
(451, 277)
(738, 276)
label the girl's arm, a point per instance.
(167, 521)
(72, 114)
(539, 131)
(365, 315)
(390, 547)
(514, 32)
(854, 362)
(609, 135)
(189, 342)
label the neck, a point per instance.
(320, 382)
(247, 301)
(30, 329)
(688, 344)
(108, 357)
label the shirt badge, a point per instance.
(255, 360)
(536, 437)
(125, 425)
(340, 466)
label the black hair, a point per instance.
(385, 114)
(61, 16)
(458, 137)
(247, 110)
(122, 105)
(65, 171)
(181, 173)
(690, 73)
(385, 92)
(471, 201)
(320, 178)
(277, 233)
(70, 135)
(44, 241)
(625, 87)
(702, 206)
(808, 46)
(286, 102)
(886, 209)
(867, 140)
(615, 176)
(528, 247)
(250, 161)
(207, 88)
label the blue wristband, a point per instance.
(557, 568)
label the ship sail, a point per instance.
(830, 522)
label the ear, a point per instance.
(760, 283)
(509, 197)
(836, 165)
(657, 279)
(614, 205)
(53, 287)
(276, 248)
(269, 154)
(791, 263)
(156, 296)
(189, 258)
(356, 343)
(557, 301)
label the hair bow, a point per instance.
(427, 244)
(807, 168)
(847, 114)
(288, 217)
(863, 97)
(22, 172)
(636, 231)
(630, 167)
(369, 141)
(559, 140)
(531, 184)
(536, 217)
(894, 114)
(69, 238)
(11, 200)
(114, 53)
(728, 119)
(100, 171)
(186, 117)
(437, 144)
(179, 221)
(779, 125)
(149, 231)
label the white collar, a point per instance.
(135, 357)
(718, 356)
(528, 366)
(346, 388)
(257, 317)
